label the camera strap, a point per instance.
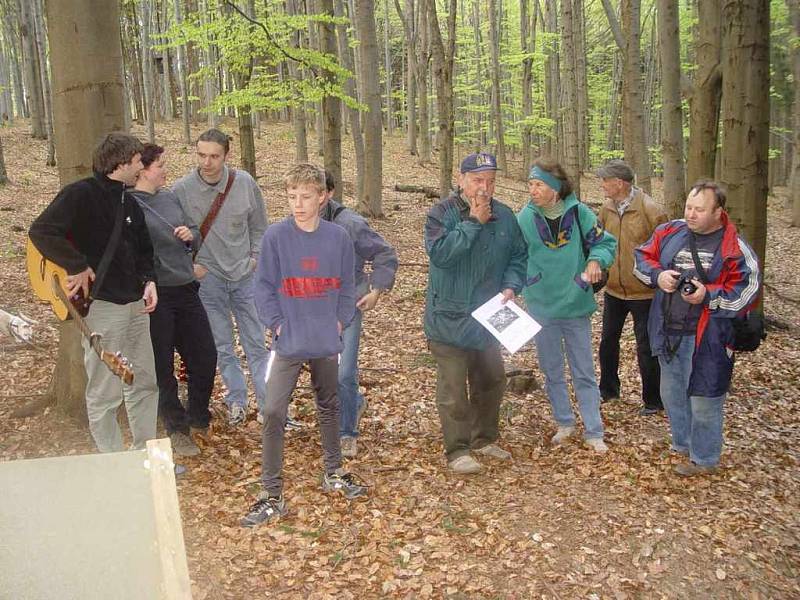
(701, 272)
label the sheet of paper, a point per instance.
(512, 326)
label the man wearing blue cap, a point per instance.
(476, 251)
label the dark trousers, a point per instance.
(180, 322)
(281, 381)
(615, 311)
(469, 420)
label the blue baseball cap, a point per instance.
(480, 161)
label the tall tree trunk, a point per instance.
(331, 106)
(211, 85)
(553, 79)
(185, 103)
(409, 29)
(745, 116)
(387, 67)
(672, 129)
(497, 114)
(30, 59)
(423, 58)
(373, 131)
(633, 129)
(346, 58)
(794, 179)
(706, 96)
(479, 98)
(147, 72)
(86, 60)
(3, 173)
(569, 85)
(527, 47)
(581, 85)
(443, 58)
(298, 111)
(616, 91)
(41, 41)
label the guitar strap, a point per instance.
(216, 206)
(111, 248)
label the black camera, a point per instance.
(685, 284)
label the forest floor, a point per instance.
(556, 522)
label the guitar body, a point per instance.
(49, 283)
(42, 273)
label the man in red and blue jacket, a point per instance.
(690, 323)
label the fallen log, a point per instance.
(417, 189)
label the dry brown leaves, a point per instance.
(555, 523)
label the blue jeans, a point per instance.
(221, 299)
(350, 399)
(695, 421)
(575, 337)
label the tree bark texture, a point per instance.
(672, 123)
(331, 106)
(299, 110)
(30, 60)
(86, 60)
(570, 141)
(633, 128)
(745, 116)
(147, 72)
(41, 50)
(370, 204)
(794, 178)
(184, 86)
(409, 29)
(443, 57)
(497, 114)
(423, 61)
(706, 96)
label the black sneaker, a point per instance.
(344, 483)
(265, 509)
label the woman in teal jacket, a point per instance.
(558, 293)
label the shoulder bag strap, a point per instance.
(216, 206)
(111, 248)
(701, 272)
(580, 231)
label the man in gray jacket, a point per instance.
(231, 233)
(369, 247)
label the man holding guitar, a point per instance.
(97, 233)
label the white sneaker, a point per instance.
(349, 446)
(564, 432)
(598, 445)
(464, 465)
(494, 451)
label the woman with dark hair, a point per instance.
(559, 294)
(179, 321)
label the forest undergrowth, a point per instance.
(555, 522)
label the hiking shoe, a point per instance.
(464, 465)
(183, 444)
(266, 509)
(494, 451)
(344, 483)
(691, 469)
(349, 446)
(598, 445)
(564, 432)
(292, 424)
(647, 411)
(236, 415)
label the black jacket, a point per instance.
(75, 228)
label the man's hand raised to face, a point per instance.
(480, 209)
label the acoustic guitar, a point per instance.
(49, 283)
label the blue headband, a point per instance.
(539, 173)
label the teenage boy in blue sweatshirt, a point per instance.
(305, 294)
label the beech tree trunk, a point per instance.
(497, 115)
(553, 80)
(3, 173)
(794, 178)
(745, 116)
(527, 47)
(570, 142)
(299, 110)
(387, 68)
(672, 125)
(147, 72)
(331, 106)
(410, 31)
(370, 204)
(86, 59)
(38, 19)
(705, 99)
(423, 59)
(186, 106)
(443, 58)
(30, 60)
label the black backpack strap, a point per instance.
(580, 231)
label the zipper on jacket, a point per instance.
(619, 245)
